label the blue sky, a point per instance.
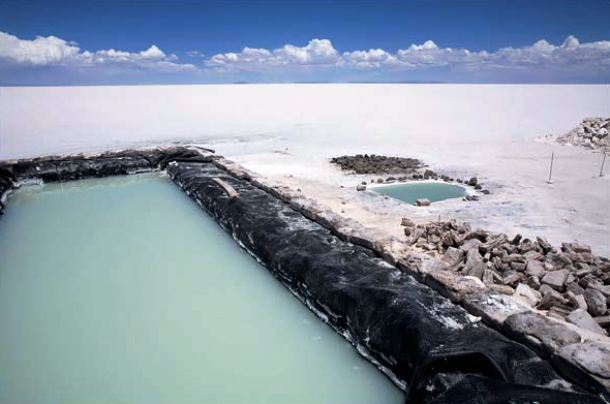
(191, 41)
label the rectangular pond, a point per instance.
(409, 192)
(123, 290)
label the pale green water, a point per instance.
(122, 290)
(434, 191)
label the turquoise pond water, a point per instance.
(434, 191)
(122, 290)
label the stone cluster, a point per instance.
(569, 283)
(373, 164)
(592, 133)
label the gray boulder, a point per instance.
(531, 296)
(534, 268)
(453, 256)
(474, 264)
(596, 302)
(584, 320)
(556, 279)
(552, 334)
(592, 356)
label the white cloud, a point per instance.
(572, 59)
(40, 51)
(321, 52)
(53, 51)
(318, 52)
(373, 58)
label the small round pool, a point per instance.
(410, 192)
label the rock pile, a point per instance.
(373, 164)
(570, 283)
(592, 133)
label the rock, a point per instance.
(479, 234)
(518, 266)
(449, 239)
(488, 277)
(405, 221)
(510, 258)
(604, 289)
(533, 256)
(550, 297)
(453, 256)
(505, 290)
(469, 244)
(556, 279)
(584, 320)
(492, 244)
(558, 260)
(578, 301)
(473, 181)
(551, 334)
(575, 288)
(474, 264)
(534, 268)
(511, 279)
(576, 247)
(517, 239)
(558, 312)
(422, 202)
(545, 245)
(361, 187)
(603, 321)
(531, 296)
(590, 355)
(596, 302)
(533, 282)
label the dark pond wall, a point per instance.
(419, 338)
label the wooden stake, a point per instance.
(550, 181)
(601, 170)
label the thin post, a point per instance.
(550, 181)
(601, 170)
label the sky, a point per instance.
(208, 41)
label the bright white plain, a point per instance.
(288, 132)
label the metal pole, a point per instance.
(601, 170)
(550, 181)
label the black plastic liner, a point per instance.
(68, 168)
(411, 332)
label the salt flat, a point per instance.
(288, 132)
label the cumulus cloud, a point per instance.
(316, 52)
(571, 60)
(321, 52)
(53, 51)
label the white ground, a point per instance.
(288, 132)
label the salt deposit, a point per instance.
(288, 133)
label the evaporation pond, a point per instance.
(410, 192)
(122, 290)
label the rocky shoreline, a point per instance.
(578, 355)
